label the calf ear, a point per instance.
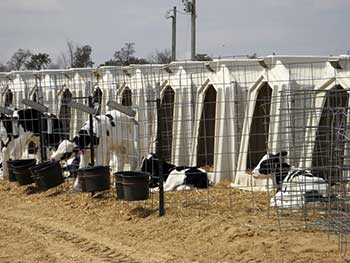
(110, 117)
(76, 140)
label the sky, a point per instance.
(224, 27)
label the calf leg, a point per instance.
(19, 145)
(5, 157)
(102, 154)
(84, 162)
(84, 159)
(133, 157)
(120, 162)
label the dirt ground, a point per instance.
(219, 225)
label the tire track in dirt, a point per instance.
(95, 249)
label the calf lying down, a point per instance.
(299, 188)
(185, 178)
(295, 187)
(175, 178)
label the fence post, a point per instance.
(42, 139)
(160, 157)
(91, 120)
(159, 151)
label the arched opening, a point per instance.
(8, 98)
(97, 100)
(35, 96)
(166, 122)
(328, 152)
(259, 129)
(65, 112)
(127, 97)
(32, 149)
(206, 136)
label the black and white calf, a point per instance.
(183, 178)
(5, 130)
(5, 136)
(274, 164)
(295, 186)
(114, 134)
(26, 128)
(21, 128)
(175, 178)
(151, 164)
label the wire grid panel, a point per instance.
(313, 125)
(278, 128)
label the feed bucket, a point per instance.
(22, 172)
(118, 185)
(94, 179)
(47, 175)
(135, 185)
(12, 177)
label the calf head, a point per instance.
(275, 165)
(83, 139)
(5, 130)
(64, 151)
(80, 142)
(151, 164)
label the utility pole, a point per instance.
(190, 8)
(193, 30)
(173, 38)
(173, 31)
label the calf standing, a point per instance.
(114, 134)
(22, 127)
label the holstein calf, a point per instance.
(175, 178)
(295, 186)
(273, 164)
(183, 177)
(151, 165)
(6, 140)
(22, 127)
(114, 133)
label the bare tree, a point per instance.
(66, 58)
(38, 61)
(18, 59)
(161, 57)
(71, 47)
(125, 56)
(3, 68)
(75, 56)
(82, 57)
(62, 61)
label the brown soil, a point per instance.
(219, 225)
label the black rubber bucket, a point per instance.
(12, 177)
(118, 185)
(47, 175)
(22, 172)
(94, 179)
(135, 185)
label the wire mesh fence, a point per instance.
(271, 133)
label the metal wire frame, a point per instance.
(224, 121)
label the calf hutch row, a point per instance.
(222, 116)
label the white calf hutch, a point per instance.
(277, 124)
(222, 115)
